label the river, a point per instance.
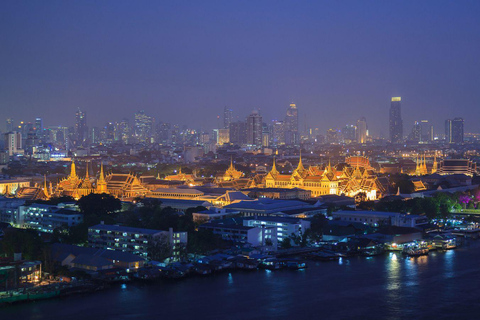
(442, 285)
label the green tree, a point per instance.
(286, 243)
(99, 204)
(159, 248)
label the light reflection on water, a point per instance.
(441, 285)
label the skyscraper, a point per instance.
(227, 117)
(254, 129)
(291, 125)
(80, 130)
(238, 132)
(143, 126)
(349, 133)
(454, 130)
(416, 134)
(362, 130)
(396, 123)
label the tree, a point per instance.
(99, 204)
(159, 248)
(286, 243)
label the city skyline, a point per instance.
(337, 63)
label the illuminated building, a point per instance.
(223, 136)
(454, 130)
(291, 125)
(278, 133)
(227, 117)
(349, 181)
(143, 127)
(362, 130)
(232, 173)
(349, 133)
(69, 185)
(101, 186)
(238, 132)
(457, 166)
(13, 143)
(254, 129)
(187, 178)
(123, 185)
(421, 166)
(80, 130)
(395, 121)
(416, 134)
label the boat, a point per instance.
(296, 264)
(416, 252)
(272, 264)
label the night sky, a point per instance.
(182, 62)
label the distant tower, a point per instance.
(80, 129)
(254, 129)
(9, 125)
(396, 123)
(291, 125)
(227, 117)
(362, 130)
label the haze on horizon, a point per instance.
(182, 62)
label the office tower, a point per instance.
(278, 133)
(39, 128)
(265, 135)
(164, 133)
(254, 129)
(9, 125)
(396, 123)
(362, 130)
(13, 142)
(238, 132)
(227, 117)
(222, 135)
(291, 125)
(122, 131)
(426, 131)
(416, 134)
(454, 130)
(80, 131)
(95, 135)
(349, 133)
(143, 126)
(109, 132)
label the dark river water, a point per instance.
(442, 285)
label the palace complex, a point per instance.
(349, 181)
(351, 178)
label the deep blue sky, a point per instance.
(184, 61)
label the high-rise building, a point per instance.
(223, 136)
(13, 142)
(291, 125)
(227, 117)
(80, 130)
(164, 134)
(416, 134)
(238, 132)
(454, 130)
(278, 133)
(143, 126)
(362, 130)
(254, 129)
(122, 131)
(396, 123)
(426, 131)
(39, 128)
(349, 133)
(9, 125)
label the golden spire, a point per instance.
(274, 167)
(101, 183)
(231, 162)
(45, 189)
(434, 168)
(300, 164)
(86, 172)
(73, 173)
